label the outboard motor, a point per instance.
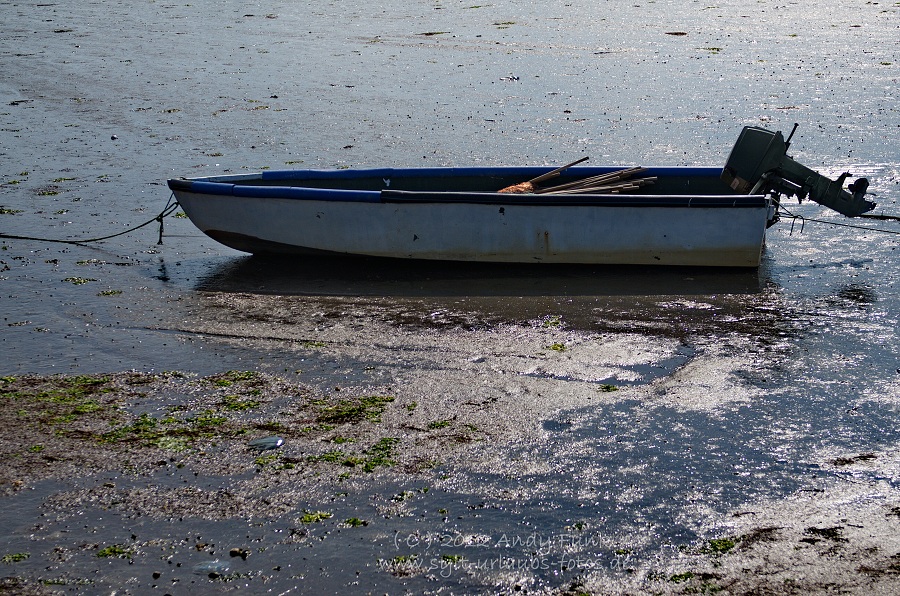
(759, 164)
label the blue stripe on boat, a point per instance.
(567, 200)
(477, 171)
(303, 193)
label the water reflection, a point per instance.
(667, 301)
(393, 278)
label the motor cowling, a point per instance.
(758, 163)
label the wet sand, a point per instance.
(158, 469)
(446, 428)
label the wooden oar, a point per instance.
(525, 187)
(556, 172)
(593, 180)
(613, 186)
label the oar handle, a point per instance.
(556, 172)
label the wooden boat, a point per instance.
(688, 216)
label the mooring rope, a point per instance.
(783, 211)
(167, 211)
(172, 206)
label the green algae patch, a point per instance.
(552, 322)
(354, 411)
(314, 517)
(175, 429)
(313, 344)
(82, 420)
(146, 428)
(87, 407)
(265, 460)
(79, 281)
(60, 390)
(236, 403)
(56, 400)
(379, 455)
(115, 550)
(681, 577)
(138, 424)
(332, 457)
(233, 377)
(722, 545)
(355, 522)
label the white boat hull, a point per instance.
(487, 227)
(522, 234)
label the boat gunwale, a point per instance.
(440, 172)
(576, 200)
(241, 185)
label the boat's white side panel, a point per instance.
(477, 232)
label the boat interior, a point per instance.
(656, 180)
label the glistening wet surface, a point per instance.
(584, 429)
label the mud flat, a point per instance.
(439, 428)
(434, 467)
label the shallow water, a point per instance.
(101, 102)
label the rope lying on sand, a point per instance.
(610, 183)
(169, 209)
